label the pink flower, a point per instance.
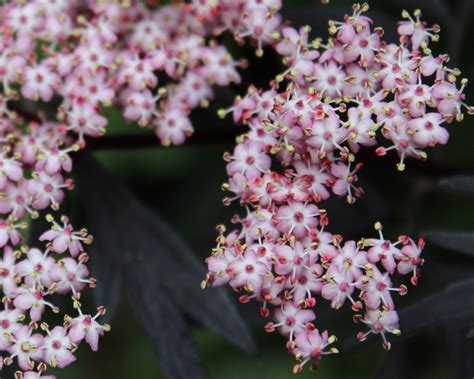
(11, 169)
(297, 218)
(141, 107)
(449, 99)
(327, 133)
(57, 348)
(9, 325)
(339, 286)
(7, 271)
(36, 267)
(63, 237)
(31, 299)
(248, 271)
(311, 344)
(345, 178)
(417, 30)
(380, 322)
(291, 319)
(137, 73)
(16, 200)
(39, 81)
(219, 66)
(194, 90)
(377, 289)
(86, 327)
(261, 25)
(411, 258)
(428, 131)
(47, 190)
(86, 120)
(363, 47)
(329, 79)
(351, 259)
(26, 347)
(25, 18)
(10, 66)
(53, 160)
(94, 56)
(307, 285)
(384, 251)
(361, 130)
(70, 275)
(218, 267)
(415, 97)
(173, 126)
(249, 159)
(289, 260)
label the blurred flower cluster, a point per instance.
(63, 65)
(353, 90)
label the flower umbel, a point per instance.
(333, 99)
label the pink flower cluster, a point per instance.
(155, 65)
(301, 147)
(70, 61)
(30, 278)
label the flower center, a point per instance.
(38, 295)
(299, 216)
(343, 287)
(5, 324)
(419, 91)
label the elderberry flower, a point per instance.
(301, 146)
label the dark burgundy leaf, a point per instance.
(163, 323)
(463, 184)
(460, 349)
(105, 252)
(394, 365)
(456, 241)
(144, 238)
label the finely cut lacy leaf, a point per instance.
(463, 184)
(147, 244)
(456, 241)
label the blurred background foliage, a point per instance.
(183, 185)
